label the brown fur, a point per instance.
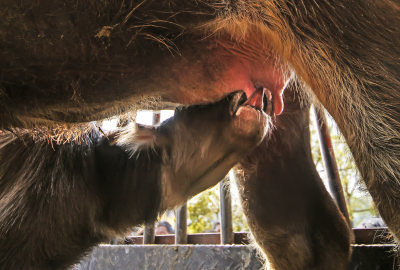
(79, 61)
(347, 53)
(59, 200)
(291, 215)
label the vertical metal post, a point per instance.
(156, 118)
(226, 211)
(149, 235)
(181, 225)
(328, 157)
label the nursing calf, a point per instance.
(59, 200)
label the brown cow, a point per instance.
(77, 61)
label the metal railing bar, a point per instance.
(225, 211)
(148, 234)
(362, 236)
(181, 225)
(328, 157)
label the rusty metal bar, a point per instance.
(328, 157)
(181, 225)
(226, 211)
(362, 236)
(148, 234)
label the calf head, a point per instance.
(201, 143)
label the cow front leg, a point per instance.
(292, 217)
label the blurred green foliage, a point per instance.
(203, 211)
